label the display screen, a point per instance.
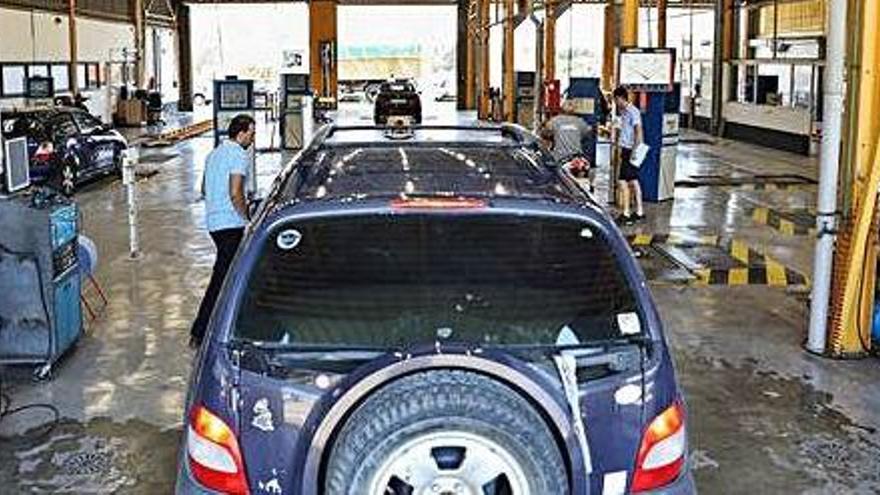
(234, 96)
(647, 69)
(17, 164)
(59, 74)
(39, 87)
(297, 83)
(13, 80)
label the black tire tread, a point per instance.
(429, 397)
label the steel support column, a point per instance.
(856, 254)
(829, 168)
(484, 76)
(471, 62)
(611, 43)
(73, 47)
(184, 58)
(629, 35)
(722, 54)
(661, 23)
(509, 87)
(140, 42)
(461, 55)
(549, 42)
(323, 47)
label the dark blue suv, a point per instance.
(438, 311)
(66, 146)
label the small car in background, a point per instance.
(398, 98)
(67, 146)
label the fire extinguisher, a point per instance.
(552, 97)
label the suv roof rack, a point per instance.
(515, 132)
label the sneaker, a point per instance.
(638, 217)
(624, 220)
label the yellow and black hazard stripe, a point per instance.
(785, 224)
(674, 239)
(772, 186)
(757, 268)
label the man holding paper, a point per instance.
(632, 153)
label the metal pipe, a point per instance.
(509, 86)
(485, 13)
(129, 178)
(829, 168)
(662, 17)
(73, 72)
(539, 70)
(140, 38)
(550, 41)
(630, 25)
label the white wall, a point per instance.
(780, 118)
(35, 36)
(43, 36)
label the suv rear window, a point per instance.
(395, 280)
(400, 87)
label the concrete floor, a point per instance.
(765, 417)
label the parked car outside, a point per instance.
(447, 313)
(398, 98)
(67, 146)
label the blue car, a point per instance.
(67, 146)
(435, 311)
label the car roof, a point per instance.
(41, 113)
(353, 164)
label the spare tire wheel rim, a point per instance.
(481, 462)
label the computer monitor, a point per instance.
(17, 164)
(40, 87)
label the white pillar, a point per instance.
(129, 178)
(829, 168)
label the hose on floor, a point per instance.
(6, 410)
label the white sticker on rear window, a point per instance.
(288, 239)
(567, 337)
(629, 324)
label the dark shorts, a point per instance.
(627, 171)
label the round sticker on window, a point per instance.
(288, 239)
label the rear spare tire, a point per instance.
(446, 432)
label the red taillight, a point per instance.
(662, 453)
(437, 203)
(45, 152)
(214, 456)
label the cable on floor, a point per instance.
(6, 411)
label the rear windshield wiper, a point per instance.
(266, 357)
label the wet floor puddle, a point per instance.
(756, 432)
(95, 457)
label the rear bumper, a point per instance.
(186, 484)
(684, 485)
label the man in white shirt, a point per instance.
(226, 171)
(630, 137)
